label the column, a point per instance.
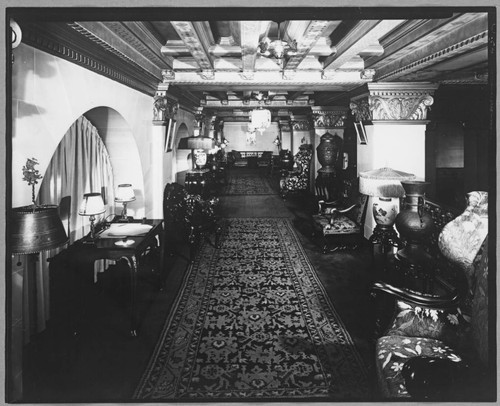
(164, 110)
(285, 134)
(301, 127)
(394, 118)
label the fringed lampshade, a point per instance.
(383, 182)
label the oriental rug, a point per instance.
(252, 321)
(248, 182)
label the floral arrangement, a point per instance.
(31, 175)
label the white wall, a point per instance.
(49, 94)
(400, 147)
(236, 133)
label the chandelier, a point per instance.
(260, 119)
(277, 49)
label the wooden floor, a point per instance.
(103, 364)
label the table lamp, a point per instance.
(124, 194)
(92, 205)
(384, 185)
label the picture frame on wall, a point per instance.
(360, 130)
(169, 144)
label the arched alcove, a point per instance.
(182, 157)
(123, 152)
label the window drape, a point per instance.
(79, 165)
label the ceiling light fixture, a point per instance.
(277, 49)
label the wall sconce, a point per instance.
(92, 205)
(124, 194)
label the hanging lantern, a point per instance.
(260, 119)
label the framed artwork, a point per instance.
(360, 130)
(169, 144)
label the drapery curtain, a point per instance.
(79, 165)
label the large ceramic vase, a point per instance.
(414, 224)
(329, 153)
(385, 211)
(461, 239)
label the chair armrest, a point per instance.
(345, 210)
(323, 205)
(448, 301)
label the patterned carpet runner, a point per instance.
(244, 181)
(253, 322)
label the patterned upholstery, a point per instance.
(393, 351)
(458, 334)
(340, 227)
(336, 224)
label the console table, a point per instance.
(116, 241)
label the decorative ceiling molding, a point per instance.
(197, 39)
(93, 55)
(306, 42)
(359, 38)
(460, 35)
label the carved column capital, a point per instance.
(284, 125)
(394, 102)
(328, 117)
(300, 123)
(164, 108)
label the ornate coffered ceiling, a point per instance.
(213, 60)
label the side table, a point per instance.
(112, 243)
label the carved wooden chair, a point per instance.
(187, 219)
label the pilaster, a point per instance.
(394, 118)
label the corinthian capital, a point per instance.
(389, 102)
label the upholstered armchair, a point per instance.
(297, 180)
(187, 219)
(338, 223)
(264, 160)
(436, 346)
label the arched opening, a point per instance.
(183, 155)
(123, 152)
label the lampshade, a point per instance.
(383, 182)
(92, 205)
(36, 229)
(124, 193)
(200, 143)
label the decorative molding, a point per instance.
(361, 110)
(301, 124)
(72, 46)
(207, 74)
(247, 74)
(195, 43)
(367, 74)
(325, 118)
(394, 102)
(167, 75)
(284, 126)
(164, 108)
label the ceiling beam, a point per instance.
(198, 38)
(306, 40)
(250, 35)
(362, 35)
